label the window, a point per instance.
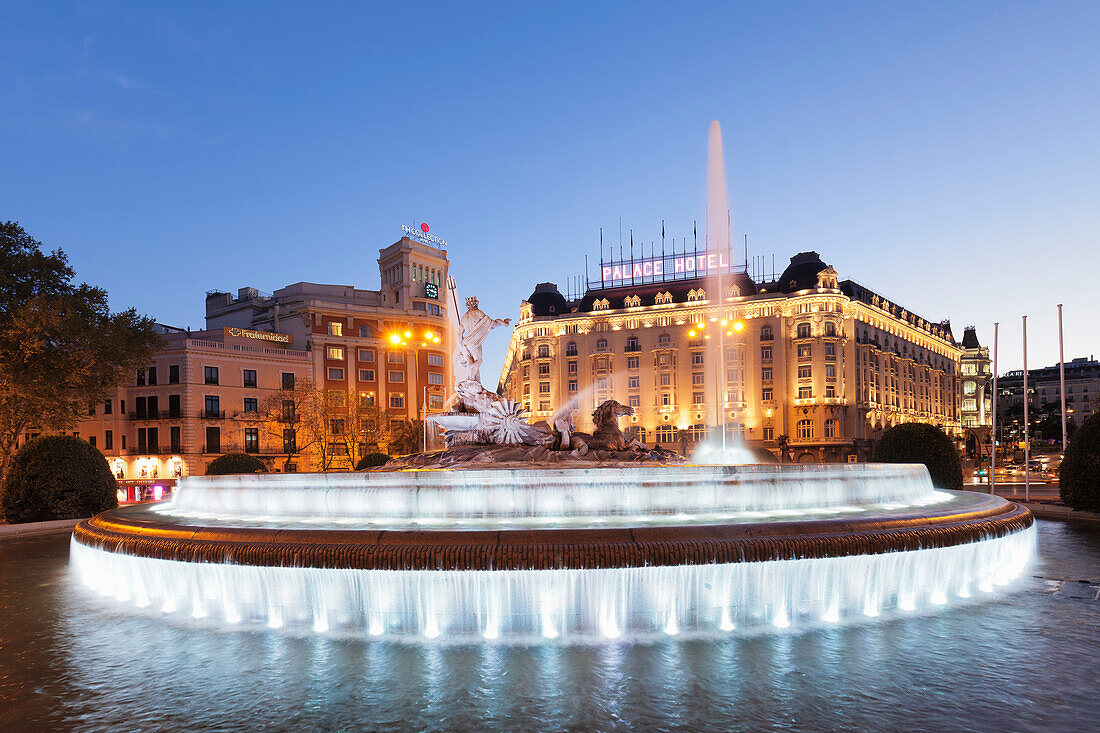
(697, 398)
(602, 383)
(664, 339)
(970, 404)
(337, 449)
(366, 375)
(803, 331)
(336, 353)
(830, 351)
(141, 377)
(396, 375)
(766, 374)
(572, 385)
(213, 440)
(666, 434)
(435, 359)
(249, 377)
(769, 433)
(335, 328)
(108, 440)
(766, 353)
(633, 382)
(251, 404)
(805, 371)
(154, 441)
(290, 441)
(366, 355)
(173, 374)
(698, 432)
(107, 407)
(571, 367)
(632, 344)
(251, 440)
(543, 351)
(766, 394)
(805, 392)
(804, 351)
(830, 371)
(212, 406)
(152, 375)
(436, 377)
(366, 331)
(544, 368)
(174, 439)
(288, 380)
(664, 379)
(395, 357)
(366, 399)
(697, 378)
(969, 388)
(766, 333)
(632, 362)
(544, 405)
(571, 348)
(666, 399)
(91, 440)
(335, 373)
(435, 402)
(634, 400)
(831, 428)
(397, 401)
(544, 388)
(601, 344)
(830, 330)
(697, 357)
(210, 375)
(805, 429)
(336, 426)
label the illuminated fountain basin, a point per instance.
(574, 554)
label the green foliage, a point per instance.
(235, 463)
(61, 348)
(371, 460)
(916, 442)
(57, 477)
(1079, 475)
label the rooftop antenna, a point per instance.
(746, 252)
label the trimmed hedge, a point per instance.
(916, 442)
(57, 477)
(371, 460)
(235, 463)
(1079, 474)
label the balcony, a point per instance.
(212, 414)
(211, 449)
(157, 415)
(152, 450)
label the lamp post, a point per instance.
(406, 340)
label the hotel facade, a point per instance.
(812, 363)
(201, 395)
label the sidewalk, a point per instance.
(35, 529)
(1051, 510)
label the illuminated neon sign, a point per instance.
(670, 266)
(423, 236)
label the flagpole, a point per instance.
(993, 457)
(1027, 431)
(1062, 377)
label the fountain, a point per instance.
(540, 532)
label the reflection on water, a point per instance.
(1025, 661)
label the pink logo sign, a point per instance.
(424, 227)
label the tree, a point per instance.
(783, 442)
(916, 442)
(57, 477)
(365, 425)
(285, 415)
(235, 463)
(1079, 474)
(61, 348)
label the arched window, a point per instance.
(664, 339)
(830, 329)
(969, 388)
(632, 301)
(571, 349)
(803, 331)
(544, 351)
(831, 428)
(666, 434)
(632, 344)
(805, 429)
(601, 344)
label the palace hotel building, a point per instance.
(200, 396)
(828, 364)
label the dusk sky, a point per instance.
(943, 154)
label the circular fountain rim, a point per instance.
(980, 516)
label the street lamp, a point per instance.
(405, 340)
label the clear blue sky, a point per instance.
(945, 154)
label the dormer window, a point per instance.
(601, 304)
(632, 301)
(699, 294)
(665, 297)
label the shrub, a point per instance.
(235, 463)
(57, 477)
(1079, 475)
(916, 442)
(371, 460)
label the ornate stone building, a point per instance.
(976, 405)
(823, 365)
